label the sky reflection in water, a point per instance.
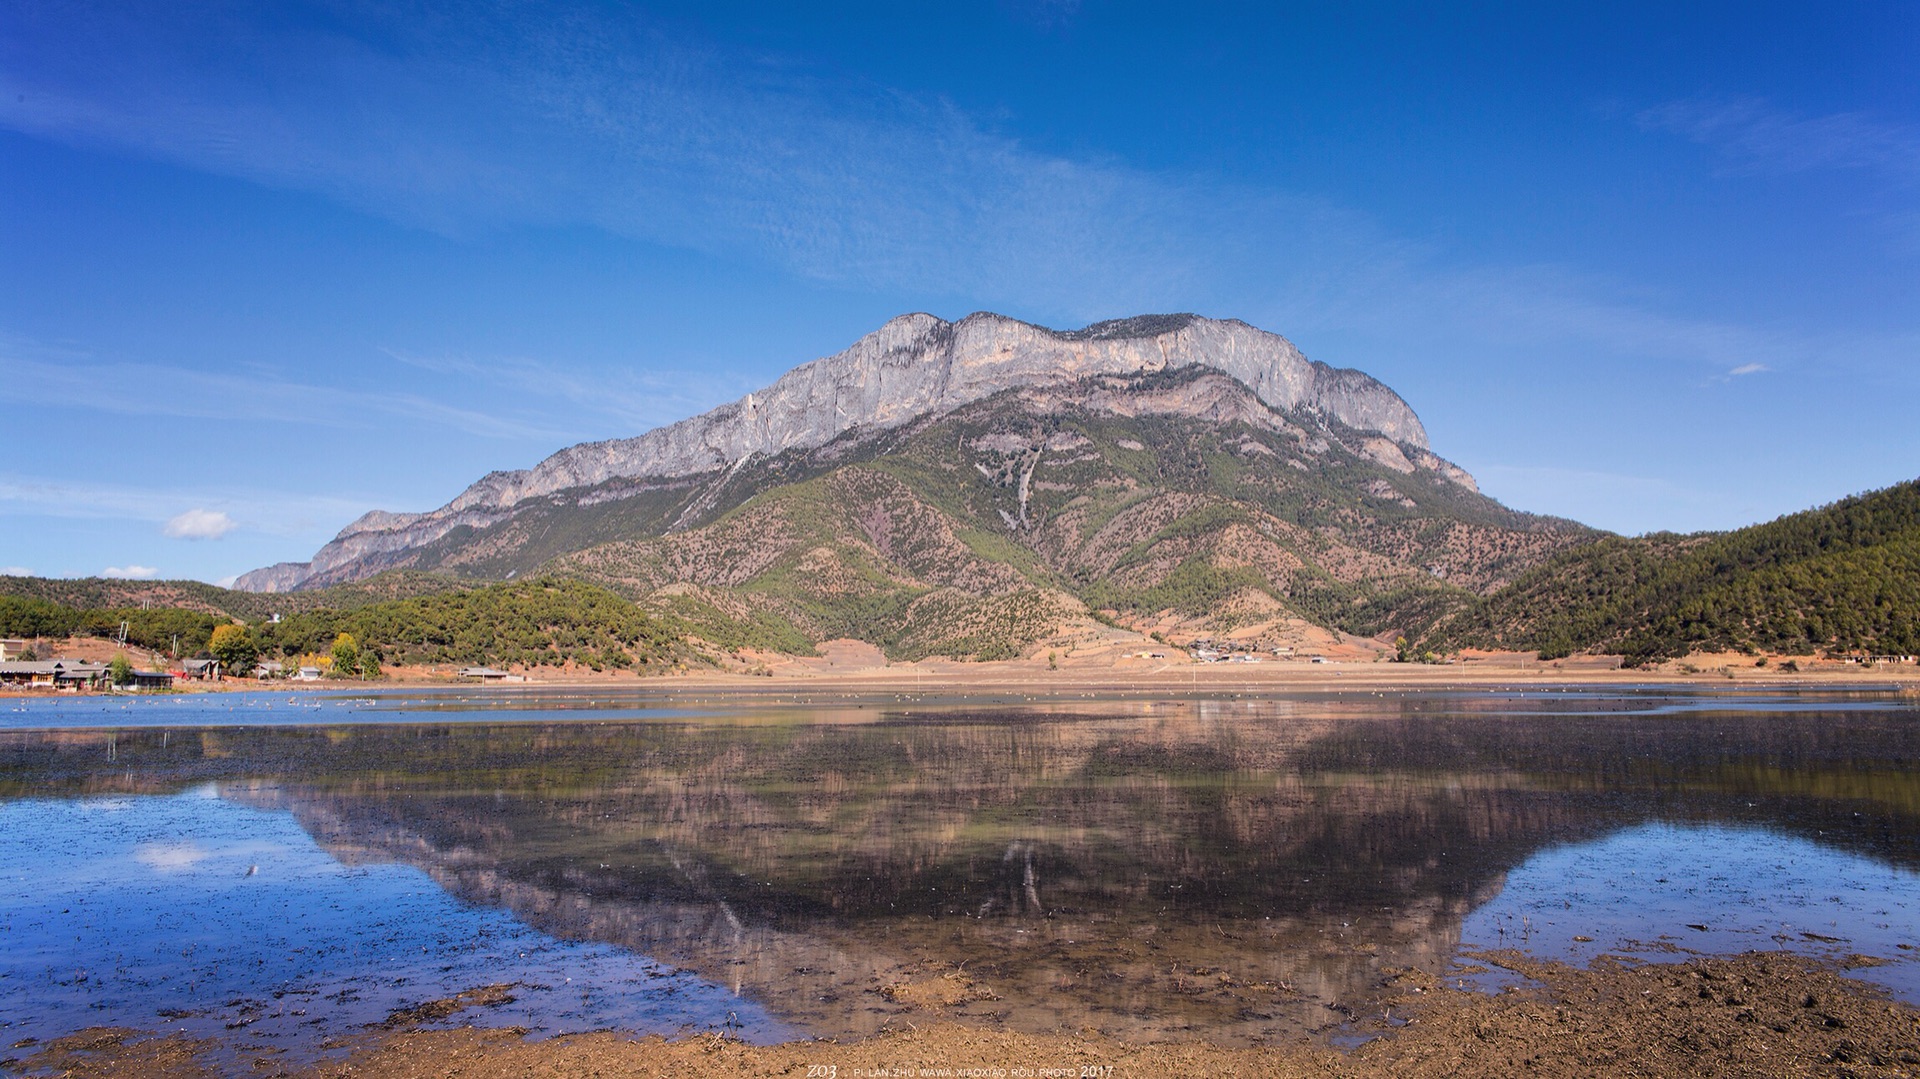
(192, 912)
(1661, 890)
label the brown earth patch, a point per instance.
(486, 996)
(1759, 1014)
(945, 991)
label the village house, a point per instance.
(62, 674)
(11, 649)
(488, 674)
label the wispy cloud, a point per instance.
(1045, 14)
(470, 123)
(15, 571)
(1547, 303)
(200, 524)
(634, 400)
(458, 123)
(1749, 369)
(1754, 134)
(161, 390)
(466, 122)
(130, 572)
(274, 512)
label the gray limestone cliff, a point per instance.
(915, 365)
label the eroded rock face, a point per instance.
(913, 366)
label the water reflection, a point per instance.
(192, 913)
(1660, 889)
(1245, 870)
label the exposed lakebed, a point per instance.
(284, 870)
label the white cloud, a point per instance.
(1749, 369)
(169, 857)
(15, 571)
(130, 573)
(199, 524)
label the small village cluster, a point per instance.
(1209, 650)
(20, 667)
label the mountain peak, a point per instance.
(914, 365)
(1117, 329)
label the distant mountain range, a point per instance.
(968, 489)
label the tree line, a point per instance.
(548, 621)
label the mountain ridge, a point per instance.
(913, 366)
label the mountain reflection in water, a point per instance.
(1242, 870)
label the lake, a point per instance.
(285, 870)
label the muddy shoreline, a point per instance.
(1757, 1014)
(1076, 667)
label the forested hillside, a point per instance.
(109, 593)
(531, 623)
(158, 629)
(1840, 578)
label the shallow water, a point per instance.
(1236, 869)
(1659, 890)
(194, 912)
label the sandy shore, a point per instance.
(1760, 1014)
(853, 667)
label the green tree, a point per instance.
(234, 647)
(369, 665)
(120, 671)
(346, 656)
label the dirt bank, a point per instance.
(1761, 1014)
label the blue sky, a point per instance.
(266, 267)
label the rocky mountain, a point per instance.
(914, 366)
(968, 489)
(978, 532)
